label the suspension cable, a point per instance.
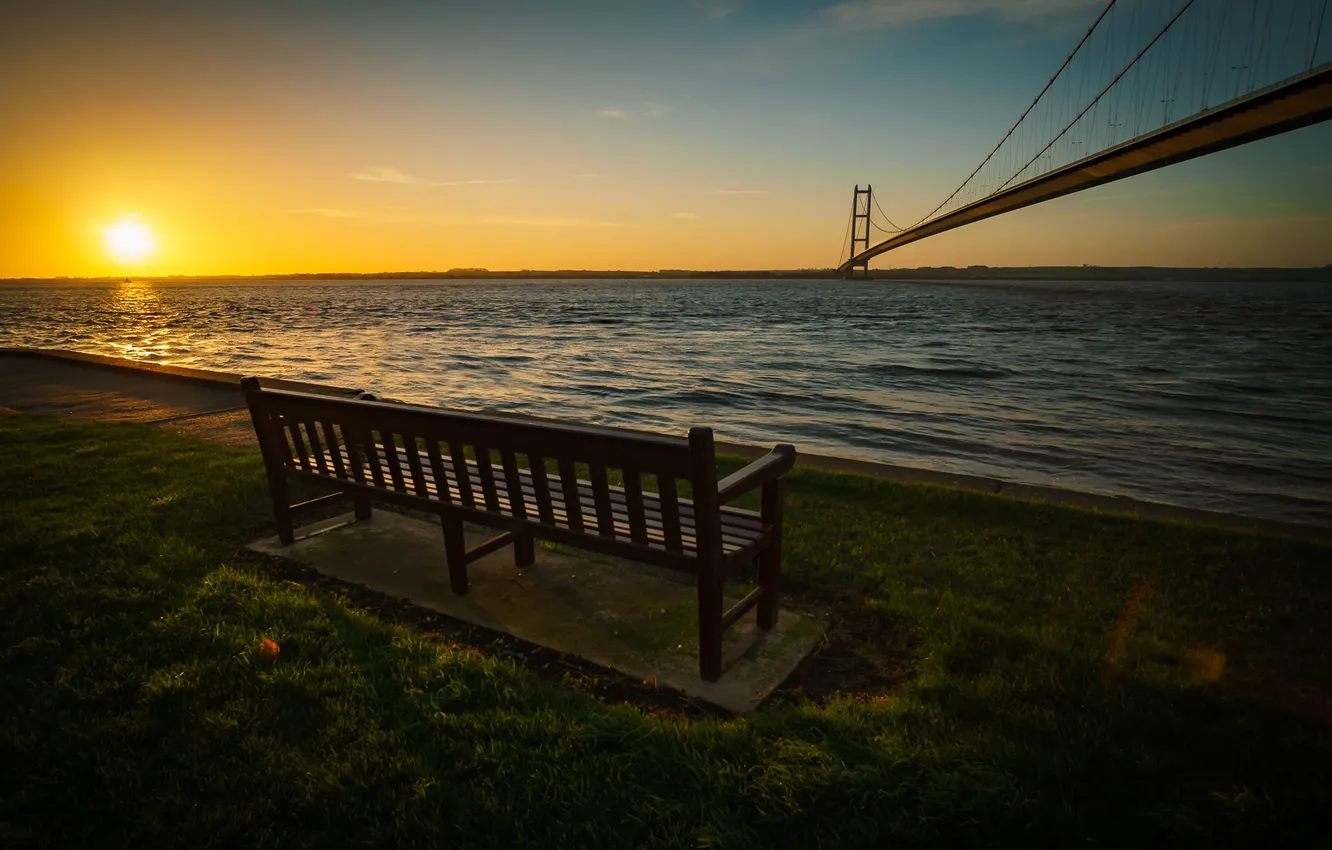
(1108, 6)
(895, 229)
(1098, 97)
(1318, 35)
(846, 238)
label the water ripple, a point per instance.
(1211, 395)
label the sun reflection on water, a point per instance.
(142, 327)
(1058, 384)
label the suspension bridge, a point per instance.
(1150, 84)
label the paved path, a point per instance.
(209, 405)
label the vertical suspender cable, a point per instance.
(1026, 112)
(1111, 85)
(1318, 36)
(846, 237)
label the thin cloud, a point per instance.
(1088, 198)
(476, 182)
(383, 174)
(407, 215)
(553, 221)
(828, 27)
(737, 192)
(713, 11)
(685, 216)
(389, 216)
(388, 174)
(647, 109)
(870, 14)
(1247, 222)
(328, 212)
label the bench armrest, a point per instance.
(765, 469)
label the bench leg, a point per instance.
(770, 562)
(709, 626)
(282, 516)
(524, 549)
(361, 501)
(277, 490)
(455, 554)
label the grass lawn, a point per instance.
(1080, 679)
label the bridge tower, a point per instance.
(860, 227)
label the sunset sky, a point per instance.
(252, 138)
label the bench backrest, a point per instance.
(365, 442)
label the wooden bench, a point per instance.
(523, 477)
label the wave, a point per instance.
(978, 372)
(1180, 393)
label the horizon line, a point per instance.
(478, 272)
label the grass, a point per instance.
(1081, 678)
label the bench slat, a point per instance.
(652, 502)
(652, 453)
(464, 483)
(670, 513)
(295, 431)
(741, 518)
(542, 486)
(353, 455)
(372, 457)
(437, 468)
(487, 477)
(734, 537)
(517, 506)
(414, 465)
(334, 455)
(633, 491)
(601, 498)
(569, 488)
(392, 459)
(739, 529)
(316, 450)
(738, 526)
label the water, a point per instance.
(1211, 395)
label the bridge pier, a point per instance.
(860, 228)
(1298, 101)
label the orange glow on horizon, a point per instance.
(358, 145)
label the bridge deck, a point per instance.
(1280, 108)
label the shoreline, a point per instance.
(1123, 505)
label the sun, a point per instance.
(129, 241)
